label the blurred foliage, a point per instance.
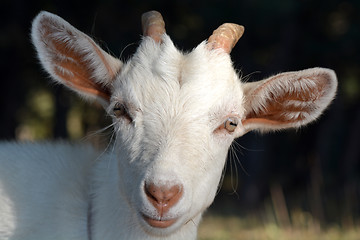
(37, 116)
(315, 170)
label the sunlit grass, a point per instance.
(235, 228)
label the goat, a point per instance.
(174, 115)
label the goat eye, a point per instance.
(230, 124)
(119, 110)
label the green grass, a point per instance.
(225, 228)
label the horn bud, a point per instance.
(225, 37)
(153, 25)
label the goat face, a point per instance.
(175, 115)
(175, 138)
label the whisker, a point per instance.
(246, 78)
(240, 147)
(127, 46)
(236, 146)
(98, 132)
(231, 169)
(194, 223)
(102, 132)
(113, 138)
(221, 179)
(191, 220)
(234, 186)
(107, 147)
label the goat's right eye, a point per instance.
(119, 110)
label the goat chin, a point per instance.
(174, 115)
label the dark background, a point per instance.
(315, 169)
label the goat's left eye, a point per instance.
(230, 124)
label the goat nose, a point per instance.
(163, 197)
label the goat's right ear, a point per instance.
(72, 58)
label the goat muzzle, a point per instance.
(162, 198)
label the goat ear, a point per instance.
(290, 99)
(72, 58)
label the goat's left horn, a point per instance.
(226, 36)
(153, 25)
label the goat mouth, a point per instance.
(159, 223)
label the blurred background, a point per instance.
(297, 184)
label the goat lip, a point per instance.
(159, 223)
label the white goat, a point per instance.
(174, 114)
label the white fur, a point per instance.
(178, 104)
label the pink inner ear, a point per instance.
(79, 82)
(262, 121)
(69, 64)
(287, 105)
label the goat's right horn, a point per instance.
(225, 37)
(153, 25)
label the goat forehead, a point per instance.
(161, 77)
(178, 94)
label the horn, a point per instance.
(225, 37)
(153, 25)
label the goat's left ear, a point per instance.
(72, 58)
(286, 100)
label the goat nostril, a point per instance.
(163, 197)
